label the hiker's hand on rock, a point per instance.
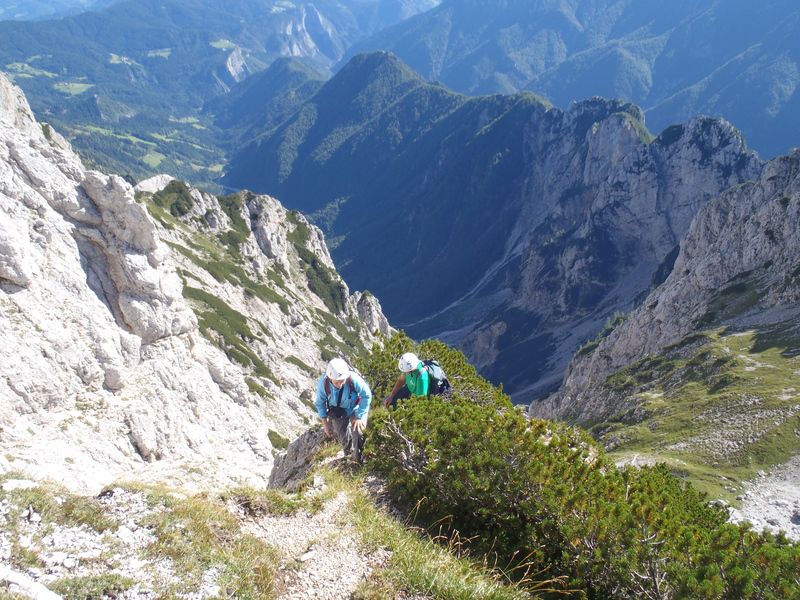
(326, 425)
(358, 425)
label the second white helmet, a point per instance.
(337, 369)
(408, 362)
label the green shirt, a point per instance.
(417, 381)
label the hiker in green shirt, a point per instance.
(413, 381)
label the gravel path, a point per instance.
(772, 500)
(322, 558)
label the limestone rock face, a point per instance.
(745, 239)
(369, 312)
(602, 213)
(110, 367)
(154, 184)
(292, 466)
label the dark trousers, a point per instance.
(401, 395)
(351, 440)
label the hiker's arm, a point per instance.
(321, 400)
(361, 388)
(401, 381)
(322, 407)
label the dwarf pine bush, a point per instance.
(544, 496)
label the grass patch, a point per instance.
(277, 440)
(71, 510)
(92, 587)
(152, 159)
(257, 503)
(72, 89)
(717, 413)
(223, 44)
(119, 59)
(92, 129)
(184, 120)
(160, 53)
(200, 533)
(301, 364)
(419, 565)
(25, 70)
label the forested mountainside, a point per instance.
(126, 84)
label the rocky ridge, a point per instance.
(602, 212)
(737, 267)
(107, 370)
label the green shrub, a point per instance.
(233, 329)
(380, 368)
(233, 241)
(233, 206)
(256, 388)
(322, 280)
(175, 197)
(541, 495)
(308, 369)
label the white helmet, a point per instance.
(408, 362)
(337, 370)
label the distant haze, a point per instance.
(32, 10)
(736, 59)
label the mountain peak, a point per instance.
(376, 72)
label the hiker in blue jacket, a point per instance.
(343, 399)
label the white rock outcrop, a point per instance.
(104, 372)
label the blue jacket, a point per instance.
(350, 396)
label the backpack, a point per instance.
(438, 383)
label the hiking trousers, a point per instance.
(351, 440)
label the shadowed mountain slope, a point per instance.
(498, 223)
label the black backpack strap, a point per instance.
(329, 389)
